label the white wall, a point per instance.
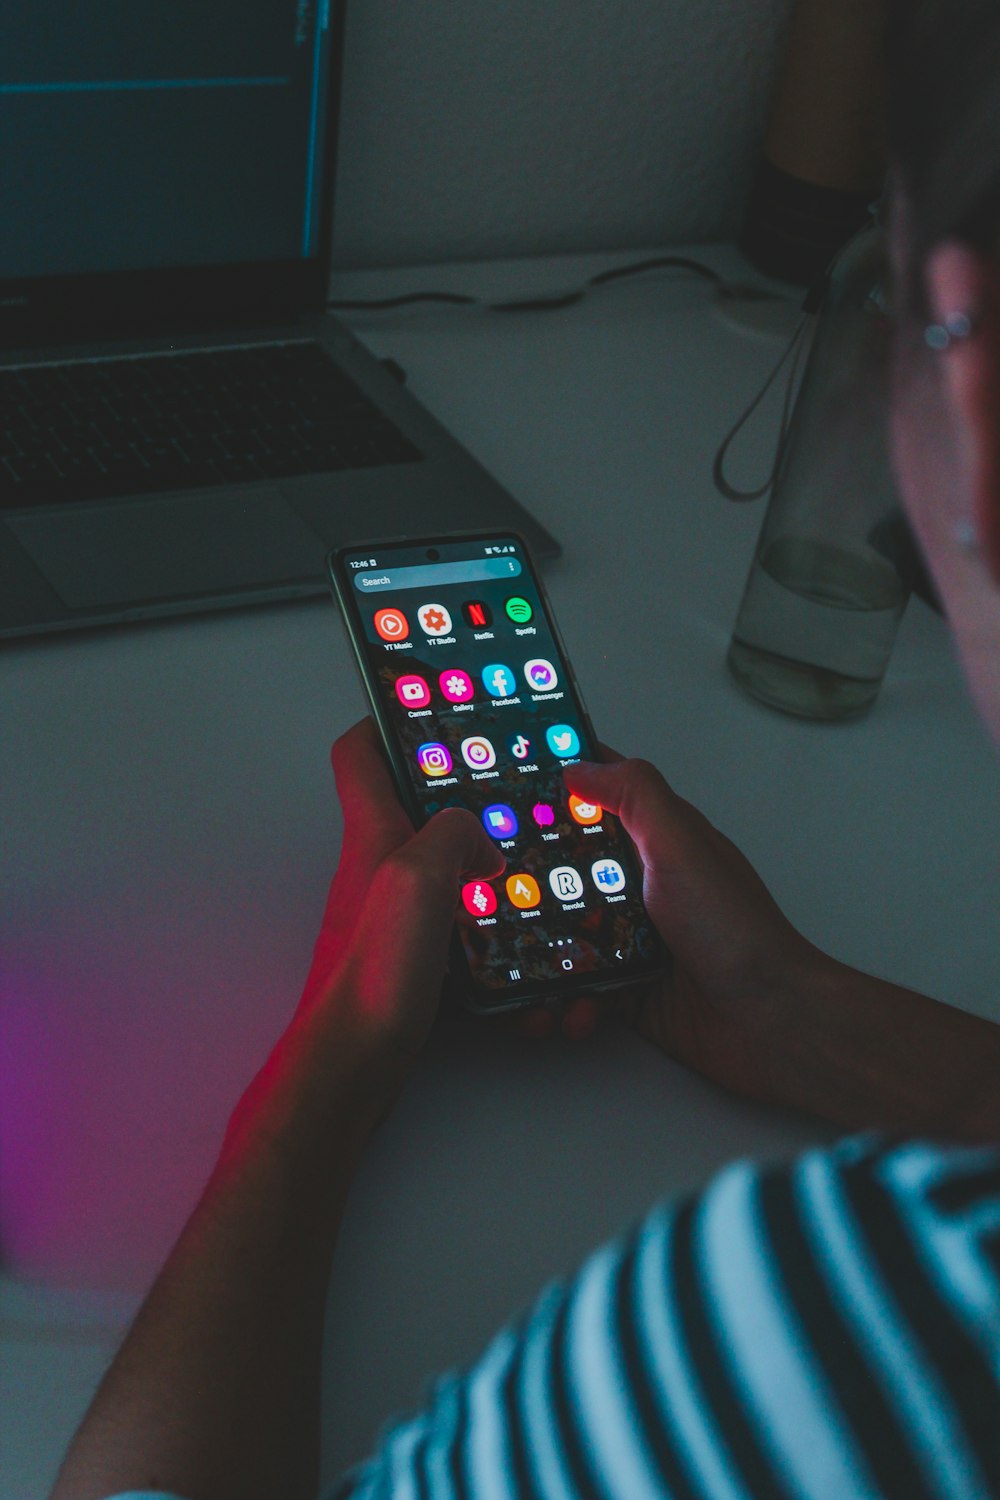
(477, 128)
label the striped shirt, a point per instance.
(828, 1330)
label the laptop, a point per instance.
(183, 424)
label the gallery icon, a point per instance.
(498, 680)
(585, 813)
(500, 820)
(519, 746)
(392, 624)
(434, 619)
(477, 614)
(544, 814)
(566, 883)
(523, 891)
(434, 759)
(479, 898)
(541, 675)
(563, 740)
(457, 685)
(608, 875)
(413, 692)
(478, 752)
(518, 610)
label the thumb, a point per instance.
(449, 850)
(636, 792)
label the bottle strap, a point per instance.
(793, 353)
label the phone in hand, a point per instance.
(477, 706)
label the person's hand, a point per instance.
(737, 964)
(378, 966)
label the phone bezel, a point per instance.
(473, 994)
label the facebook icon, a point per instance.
(498, 680)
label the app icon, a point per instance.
(477, 614)
(500, 820)
(523, 891)
(478, 753)
(608, 875)
(518, 610)
(563, 740)
(498, 680)
(566, 883)
(434, 759)
(392, 624)
(544, 814)
(434, 619)
(585, 813)
(519, 746)
(413, 692)
(479, 898)
(540, 675)
(457, 685)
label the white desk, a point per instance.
(169, 827)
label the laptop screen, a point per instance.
(162, 136)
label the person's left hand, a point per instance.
(379, 962)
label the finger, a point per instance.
(434, 864)
(635, 791)
(373, 813)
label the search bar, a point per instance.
(472, 571)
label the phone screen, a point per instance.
(478, 708)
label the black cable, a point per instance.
(544, 304)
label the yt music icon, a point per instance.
(392, 624)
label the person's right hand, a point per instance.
(738, 968)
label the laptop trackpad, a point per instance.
(162, 548)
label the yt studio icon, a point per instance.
(478, 753)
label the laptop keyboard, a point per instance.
(104, 428)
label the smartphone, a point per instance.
(477, 706)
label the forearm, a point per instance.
(215, 1391)
(862, 1052)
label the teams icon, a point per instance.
(608, 875)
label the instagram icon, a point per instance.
(434, 759)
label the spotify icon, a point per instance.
(519, 610)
